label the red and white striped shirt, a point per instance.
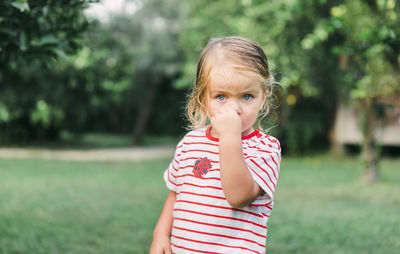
(203, 221)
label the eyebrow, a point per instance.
(227, 91)
(219, 91)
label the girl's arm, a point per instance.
(238, 185)
(161, 236)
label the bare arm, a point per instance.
(238, 185)
(162, 232)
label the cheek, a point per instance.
(210, 109)
(253, 110)
(213, 107)
(259, 105)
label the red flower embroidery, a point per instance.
(201, 167)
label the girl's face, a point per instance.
(242, 92)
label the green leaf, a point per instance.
(58, 52)
(8, 31)
(23, 42)
(4, 113)
(42, 113)
(21, 5)
(358, 94)
(45, 40)
(308, 42)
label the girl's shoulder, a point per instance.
(193, 135)
(265, 141)
(199, 132)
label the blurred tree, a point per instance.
(157, 54)
(369, 55)
(144, 51)
(128, 67)
(39, 30)
(119, 75)
(33, 35)
(108, 79)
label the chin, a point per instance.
(246, 131)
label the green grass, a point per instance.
(75, 207)
(111, 207)
(70, 141)
(322, 207)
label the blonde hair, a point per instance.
(249, 58)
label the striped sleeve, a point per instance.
(264, 162)
(171, 173)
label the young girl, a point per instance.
(223, 176)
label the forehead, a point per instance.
(231, 78)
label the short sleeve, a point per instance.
(171, 173)
(263, 162)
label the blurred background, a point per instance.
(92, 98)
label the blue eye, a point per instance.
(221, 97)
(247, 97)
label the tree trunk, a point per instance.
(145, 111)
(337, 146)
(369, 146)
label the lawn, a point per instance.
(112, 207)
(84, 141)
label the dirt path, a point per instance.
(132, 154)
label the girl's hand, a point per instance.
(161, 236)
(160, 245)
(226, 122)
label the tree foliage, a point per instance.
(105, 77)
(33, 35)
(131, 74)
(39, 30)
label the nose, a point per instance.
(235, 105)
